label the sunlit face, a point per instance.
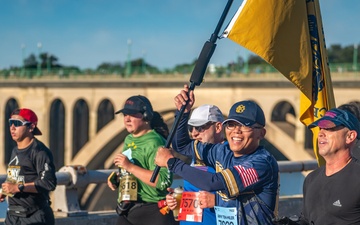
(19, 133)
(243, 142)
(209, 133)
(135, 124)
(331, 140)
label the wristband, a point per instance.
(171, 162)
(21, 188)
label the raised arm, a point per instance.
(181, 140)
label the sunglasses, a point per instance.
(201, 128)
(18, 123)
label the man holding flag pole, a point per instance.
(289, 36)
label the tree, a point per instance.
(337, 54)
(31, 62)
(110, 68)
(185, 67)
(52, 60)
(254, 59)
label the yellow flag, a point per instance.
(288, 34)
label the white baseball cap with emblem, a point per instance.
(204, 114)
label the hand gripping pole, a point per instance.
(196, 76)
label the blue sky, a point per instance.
(86, 33)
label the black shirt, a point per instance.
(33, 164)
(333, 199)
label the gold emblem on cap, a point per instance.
(240, 109)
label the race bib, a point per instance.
(128, 188)
(226, 216)
(190, 207)
(13, 175)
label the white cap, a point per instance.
(205, 113)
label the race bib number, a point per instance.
(128, 188)
(13, 175)
(226, 216)
(190, 207)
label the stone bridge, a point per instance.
(78, 123)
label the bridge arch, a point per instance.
(105, 113)
(57, 132)
(80, 125)
(283, 115)
(281, 110)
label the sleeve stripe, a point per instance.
(248, 176)
(197, 155)
(230, 183)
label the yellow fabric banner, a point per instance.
(288, 34)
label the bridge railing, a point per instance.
(70, 178)
(73, 72)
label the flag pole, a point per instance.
(323, 96)
(197, 76)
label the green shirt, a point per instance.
(143, 151)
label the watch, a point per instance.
(21, 187)
(171, 162)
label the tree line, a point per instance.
(47, 61)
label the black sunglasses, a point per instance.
(18, 123)
(201, 128)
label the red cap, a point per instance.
(29, 116)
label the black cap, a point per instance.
(136, 104)
(247, 113)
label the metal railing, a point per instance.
(70, 73)
(70, 178)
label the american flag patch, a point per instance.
(248, 176)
